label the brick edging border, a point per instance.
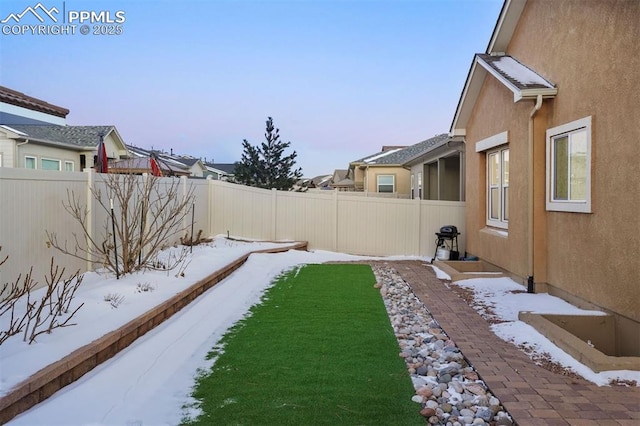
(54, 377)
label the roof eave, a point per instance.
(471, 90)
(505, 25)
(47, 142)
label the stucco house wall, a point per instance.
(596, 65)
(494, 113)
(590, 51)
(402, 184)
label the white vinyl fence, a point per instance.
(32, 205)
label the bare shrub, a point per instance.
(148, 211)
(35, 316)
(58, 294)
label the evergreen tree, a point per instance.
(266, 166)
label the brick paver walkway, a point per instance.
(531, 394)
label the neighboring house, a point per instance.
(321, 182)
(61, 148)
(549, 115)
(170, 164)
(195, 166)
(341, 180)
(141, 165)
(34, 135)
(220, 171)
(437, 169)
(381, 172)
(428, 170)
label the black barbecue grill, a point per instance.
(448, 238)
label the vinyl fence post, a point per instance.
(115, 247)
(90, 214)
(209, 202)
(335, 220)
(193, 213)
(274, 213)
(419, 233)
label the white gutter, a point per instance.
(530, 215)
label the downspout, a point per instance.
(530, 215)
(15, 152)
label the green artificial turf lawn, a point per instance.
(318, 350)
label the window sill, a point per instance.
(495, 232)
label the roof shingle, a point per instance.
(81, 136)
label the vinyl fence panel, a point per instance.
(32, 203)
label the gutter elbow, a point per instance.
(537, 106)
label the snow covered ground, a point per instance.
(149, 382)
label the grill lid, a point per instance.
(449, 230)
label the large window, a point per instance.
(498, 187)
(386, 183)
(569, 167)
(29, 162)
(48, 164)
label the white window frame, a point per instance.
(52, 160)
(35, 162)
(420, 185)
(502, 186)
(496, 144)
(72, 168)
(393, 184)
(569, 129)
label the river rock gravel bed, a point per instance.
(447, 387)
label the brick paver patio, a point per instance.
(531, 394)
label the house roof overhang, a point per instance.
(442, 149)
(523, 82)
(13, 97)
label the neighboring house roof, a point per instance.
(524, 82)
(339, 174)
(343, 183)
(382, 157)
(341, 178)
(187, 161)
(74, 137)
(172, 163)
(402, 155)
(143, 165)
(227, 168)
(321, 181)
(416, 151)
(16, 98)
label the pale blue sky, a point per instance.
(340, 78)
